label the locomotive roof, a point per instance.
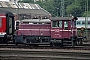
(6, 12)
(36, 20)
(63, 18)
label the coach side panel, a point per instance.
(2, 25)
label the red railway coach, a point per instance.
(58, 31)
(6, 26)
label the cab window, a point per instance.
(65, 25)
(78, 22)
(60, 24)
(57, 24)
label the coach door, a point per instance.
(0, 24)
(10, 25)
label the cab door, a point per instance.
(66, 29)
(56, 30)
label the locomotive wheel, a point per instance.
(52, 44)
(76, 43)
(81, 42)
(5, 41)
(56, 45)
(73, 43)
(16, 44)
(1, 40)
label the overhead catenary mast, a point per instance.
(62, 9)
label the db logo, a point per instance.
(56, 30)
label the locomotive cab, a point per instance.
(63, 28)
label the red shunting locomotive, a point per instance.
(55, 31)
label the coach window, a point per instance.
(88, 22)
(0, 22)
(10, 24)
(83, 22)
(55, 24)
(78, 23)
(26, 22)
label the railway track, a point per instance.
(26, 52)
(83, 47)
(42, 54)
